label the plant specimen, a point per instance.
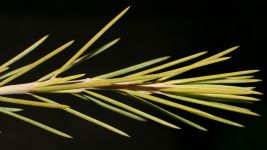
(153, 86)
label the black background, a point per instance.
(150, 29)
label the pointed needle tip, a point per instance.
(205, 130)
(166, 57)
(204, 52)
(117, 39)
(69, 43)
(256, 114)
(237, 46)
(67, 136)
(257, 70)
(126, 135)
(240, 125)
(126, 9)
(258, 93)
(176, 127)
